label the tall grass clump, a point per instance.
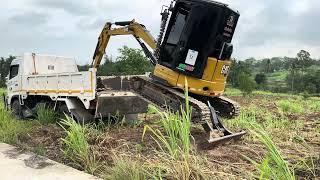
(177, 158)
(175, 138)
(10, 129)
(77, 147)
(46, 115)
(273, 166)
(287, 106)
(126, 168)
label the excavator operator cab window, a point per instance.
(173, 39)
(178, 26)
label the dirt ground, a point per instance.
(230, 160)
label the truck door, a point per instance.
(13, 81)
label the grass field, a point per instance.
(283, 142)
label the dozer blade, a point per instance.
(218, 134)
(225, 138)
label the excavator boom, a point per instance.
(137, 30)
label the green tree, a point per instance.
(261, 78)
(246, 84)
(107, 68)
(132, 62)
(304, 60)
(237, 68)
(4, 69)
(84, 67)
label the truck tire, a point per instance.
(16, 109)
(64, 111)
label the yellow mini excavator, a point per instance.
(194, 45)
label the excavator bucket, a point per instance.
(218, 133)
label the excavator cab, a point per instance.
(197, 30)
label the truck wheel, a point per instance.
(16, 109)
(63, 110)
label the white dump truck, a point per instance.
(56, 81)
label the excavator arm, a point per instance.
(127, 28)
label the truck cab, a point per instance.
(13, 77)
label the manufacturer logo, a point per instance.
(231, 21)
(225, 70)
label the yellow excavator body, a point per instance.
(212, 83)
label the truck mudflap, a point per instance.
(119, 103)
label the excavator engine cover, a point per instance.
(197, 29)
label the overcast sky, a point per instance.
(266, 28)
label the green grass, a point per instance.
(290, 106)
(46, 115)
(77, 147)
(229, 91)
(278, 76)
(178, 160)
(273, 166)
(175, 139)
(126, 168)
(314, 104)
(10, 129)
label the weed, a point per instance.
(176, 137)
(288, 106)
(152, 110)
(247, 116)
(126, 168)
(176, 154)
(273, 166)
(232, 92)
(46, 115)
(314, 105)
(76, 146)
(10, 129)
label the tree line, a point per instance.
(300, 74)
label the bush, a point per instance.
(246, 84)
(260, 79)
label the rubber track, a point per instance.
(231, 103)
(157, 93)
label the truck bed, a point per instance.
(62, 84)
